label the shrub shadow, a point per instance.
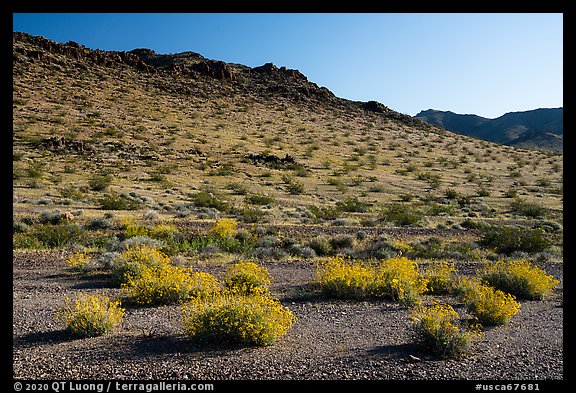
(94, 281)
(145, 346)
(49, 337)
(399, 351)
(302, 293)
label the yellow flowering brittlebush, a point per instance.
(440, 277)
(90, 315)
(437, 330)
(402, 246)
(399, 279)
(519, 278)
(395, 278)
(463, 285)
(168, 284)
(164, 231)
(79, 261)
(224, 227)
(131, 228)
(491, 306)
(344, 278)
(131, 262)
(247, 277)
(254, 319)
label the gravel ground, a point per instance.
(332, 339)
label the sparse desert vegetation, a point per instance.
(257, 226)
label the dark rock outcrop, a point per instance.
(375, 106)
(286, 162)
(62, 145)
(271, 69)
(215, 69)
(75, 51)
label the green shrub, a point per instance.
(253, 320)
(35, 169)
(511, 193)
(246, 240)
(99, 182)
(158, 177)
(321, 246)
(258, 199)
(432, 179)
(451, 194)
(520, 279)
(430, 248)
(436, 209)
(401, 214)
(324, 212)
(482, 192)
(90, 315)
(229, 244)
(250, 215)
(52, 217)
(528, 209)
(59, 235)
(247, 278)
(341, 241)
(71, 192)
(20, 227)
(26, 241)
(437, 330)
(295, 187)
(99, 223)
(206, 199)
(338, 183)
(115, 201)
(406, 197)
(507, 239)
(352, 205)
(237, 188)
(549, 226)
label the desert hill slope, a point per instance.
(166, 127)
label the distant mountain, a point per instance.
(541, 129)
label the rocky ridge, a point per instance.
(261, 81)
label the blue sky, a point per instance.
(482, 63)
